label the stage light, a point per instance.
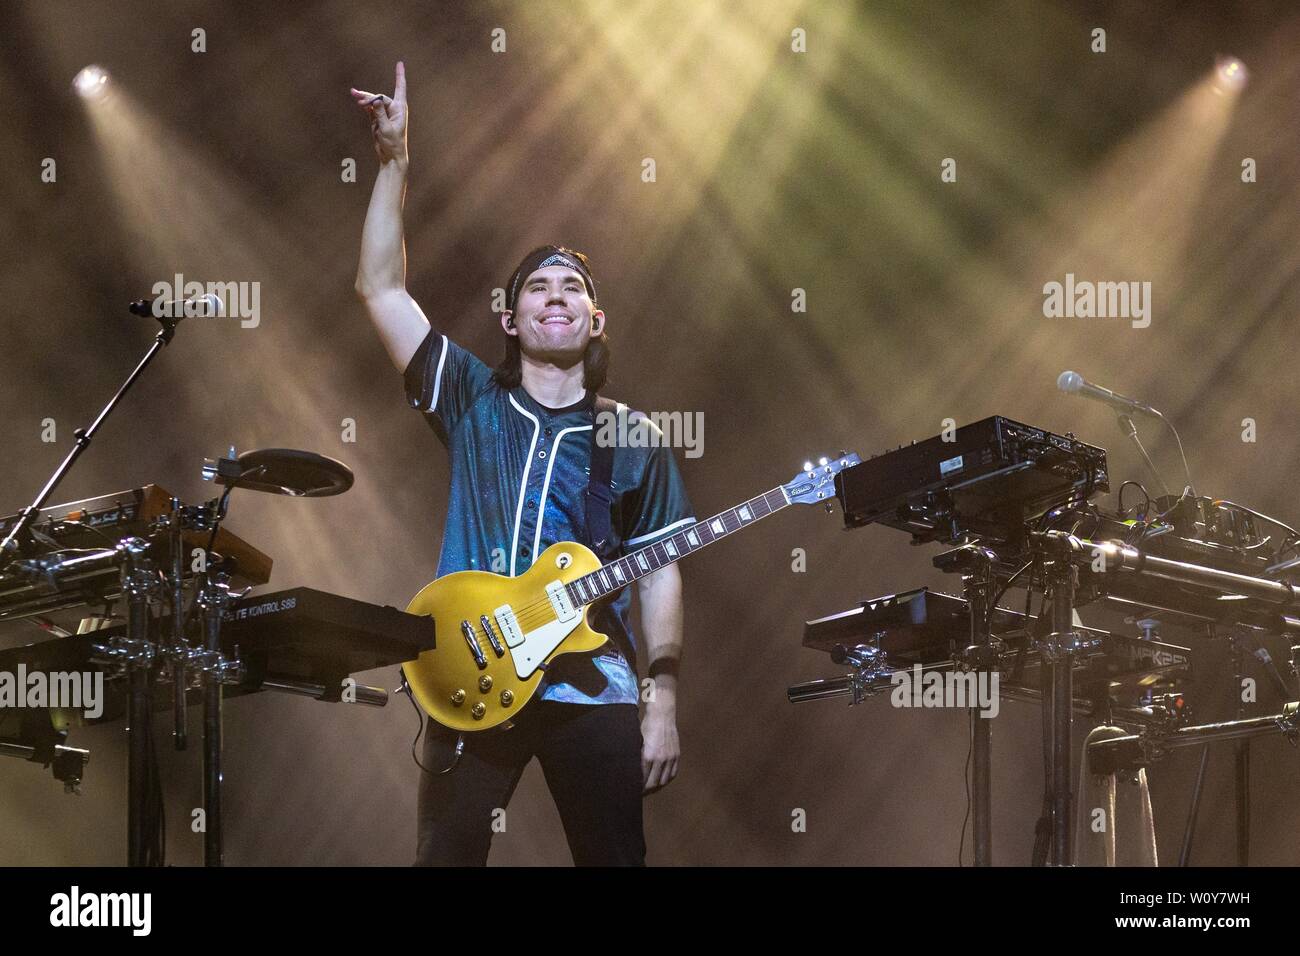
(1230, 75)
(91, 83)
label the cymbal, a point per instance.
(290, 471)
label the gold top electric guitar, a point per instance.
(496, 635)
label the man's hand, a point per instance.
(387, 119)
(660, 748)
(381, 271)
(660, 594)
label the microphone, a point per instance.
(1076, 384)
(176, 309)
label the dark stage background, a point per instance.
(775, 170)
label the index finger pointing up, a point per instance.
(399, 87)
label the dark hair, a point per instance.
(595, 361)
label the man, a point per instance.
(520, 441)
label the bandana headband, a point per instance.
(541, 259)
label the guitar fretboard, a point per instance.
(622, 572)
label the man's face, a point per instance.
(554, 317)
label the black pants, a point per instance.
(591, 757)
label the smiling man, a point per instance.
(525, 469)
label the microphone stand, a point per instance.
(1130, 430)
(20, 535)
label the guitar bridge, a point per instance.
(472, 640)
(492, 636)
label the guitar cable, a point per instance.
(961, 845)
(405, 688)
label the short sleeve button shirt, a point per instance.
(519, 472)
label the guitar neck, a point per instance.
(622, 572)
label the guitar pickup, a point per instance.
(560, 602)
(508, 625)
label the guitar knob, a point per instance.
(458, 698)
(478, 710)
(485, 683)
(507, 698)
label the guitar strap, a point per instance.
(600, 499)
(600, 496)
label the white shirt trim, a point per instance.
(437, 378)
(546, 483)
(523, 486)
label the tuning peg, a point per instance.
(822, 460)
(807, 466)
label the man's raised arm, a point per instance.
(381, 273)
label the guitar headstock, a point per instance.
(816, 483)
